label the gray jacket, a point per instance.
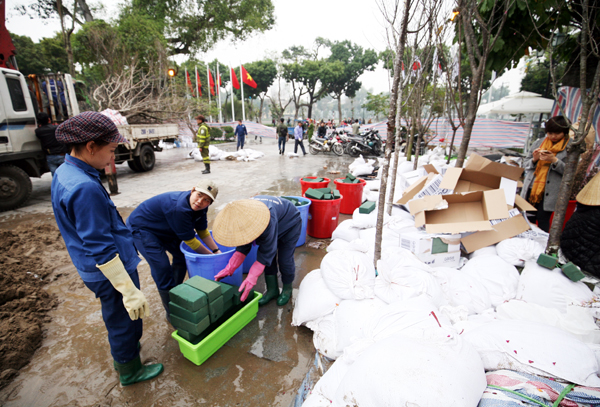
(552, 181)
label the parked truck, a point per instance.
(21, 155)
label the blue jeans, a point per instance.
(54, 161)
(281, 144)
(123, 333)
(154, 250)
(284, 259)
(240, 143)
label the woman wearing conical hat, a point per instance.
(275, 225)
(580, 240)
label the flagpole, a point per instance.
(186, 84)
(232, 107)
(219, 93)
(242, 87)
(209, 88)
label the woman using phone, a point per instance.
(544, 168)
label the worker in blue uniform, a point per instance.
(274, 224)
(159, 224)
(99, 243)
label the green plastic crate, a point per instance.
(204, 349)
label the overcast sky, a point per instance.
(297, 23)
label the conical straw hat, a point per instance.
(241, 222)
(590, 194)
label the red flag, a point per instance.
(189, 82)
(199, 83)
(247, 79)
(220, 82)
(234, 80)
(211, 82)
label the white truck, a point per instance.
(21, 155)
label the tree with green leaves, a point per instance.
(347, 63)
(197, 26)
(537, 76)
(45, 56)
(378, 104)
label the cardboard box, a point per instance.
(415, 187)
(458, 213)
(479, 174)
(504, 230)
(434, 250)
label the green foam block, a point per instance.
(313, 194)
(188, 297)
(194, 317)
(328, 196)
(350, 177)
(367, 207)
(572, 271)
(227, 290)
(191, 338)
(208, 287)
(215, 309)
(545, 260)
(195, 329)
(336, 194)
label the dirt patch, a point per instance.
(28, 255)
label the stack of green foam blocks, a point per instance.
(322, 193)
(199, 306)
(350, 179)
(313, 179)
(295, 201)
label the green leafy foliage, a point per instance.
(46, 56)
(378, 104)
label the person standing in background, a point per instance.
(356, 127)
(282, 132)
(55, 151)
(203, 139)
(298, 136)
(240, 132)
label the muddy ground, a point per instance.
(53, 345)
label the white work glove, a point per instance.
(133, 299)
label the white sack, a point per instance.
(463, 289)
(355, 245)
(316, 400)
(330, 381)
(534, 348)
(577, 321)
(499, 277)
(401, 372)
(517, 251)
(324, 336)
(314, 299)
(399, 282)
(490, 250)
(346, 230)
(367, 220)
(550, 288)
(351, 317)
(349, 275)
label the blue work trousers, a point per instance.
(284, 259)
(154, 250)
(240, 142)
(281, 144)
(54, 161)
(123, 333)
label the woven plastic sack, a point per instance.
(349, 275)
(314, 299)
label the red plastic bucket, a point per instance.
(352, 194)
(315, 185)
(323, 217)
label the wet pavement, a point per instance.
(264, 364)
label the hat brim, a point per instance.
(205, 192)
(241, 222)
(115, 138)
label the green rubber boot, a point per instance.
(272, 290)
(134, 372)
(285, 296)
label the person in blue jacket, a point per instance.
(159, 224)
(240, 132)
(274, 224)
(100, 245)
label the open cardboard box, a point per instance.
(468, 212)
(417, 186)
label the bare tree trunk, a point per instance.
(451, 145)
(393, 118)
(339, 99)
(85, 10)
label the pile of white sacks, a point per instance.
(407, 334)
(217, 154)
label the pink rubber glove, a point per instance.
(255, 271)
(234, 263)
